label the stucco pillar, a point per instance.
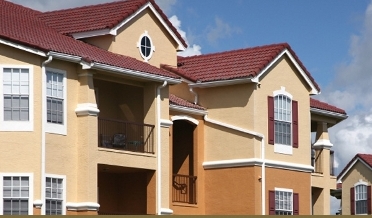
(322, 147)
(87, 142)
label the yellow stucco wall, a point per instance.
(284, 74)
(128, 36)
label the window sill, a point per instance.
(283, 149)
(16, 126)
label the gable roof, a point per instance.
(111, 16)
(366, 159)
(236, 64)
(314, 103)
(20, 26)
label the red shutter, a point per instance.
(296, 204)
(271, 202)
(271, 119)
(295, 123)
(369, 209)
(352, 201)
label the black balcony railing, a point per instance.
(123, 135)
(184, 189)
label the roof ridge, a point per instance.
(284, 44)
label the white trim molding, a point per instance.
(187, 110)
(221, 83)
(139, 46)
(165, 123)
(328, 113)
(323, 143)
(22, 47)
(185, 117)
(38, 204)
(166, 211)
(87, 109)
(82, 206)
(256, 162)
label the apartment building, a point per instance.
(99, 116)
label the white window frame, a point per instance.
(31, 190)
(54, 176)
(17, 126)
(281, 148)
(360, 183)
(152, 49)
(284, 190)
(60, 129)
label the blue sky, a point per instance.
(333, 38)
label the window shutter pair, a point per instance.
(352, 200)
(296, 203)
(271, 124)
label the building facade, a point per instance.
(99, 116)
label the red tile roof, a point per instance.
(21, 25)
(99, 17)
(366, 158)
(242, 63)
(324, 106)
(174, 100)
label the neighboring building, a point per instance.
(99, 116)
(354, 186)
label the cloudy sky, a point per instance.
(332, 38)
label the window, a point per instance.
(360, 198)
(16, 193)
(54, 195)
(283, 202)
(145, 46)
(282, 122)
(17, 98)
(55, 101)
(283, 119)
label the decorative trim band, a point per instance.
(165, 123)
(83, 206)
(257, 162)
(187, 110)
(87, 109)
(38, 204)
(166, 211)
(323, 143)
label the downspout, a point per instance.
(258, 135)
(43, 132)
(158, 177)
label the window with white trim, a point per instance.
(283, 202)
(361, 199)
(16, 195)
(16, 112)
(283, 119)
(145, 46)
(56, 101)
(54, 196)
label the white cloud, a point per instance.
(220, 30)
(192, 49)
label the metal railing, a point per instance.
(123, 135)
(184, 189)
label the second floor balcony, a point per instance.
(317, 161)
(124, 135)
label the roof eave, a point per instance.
(23, 47)
(114, 31)
(187, 110)
(222, 83)
(114, 69)
(332, 114)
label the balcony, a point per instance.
(184, 189)
(124, 135)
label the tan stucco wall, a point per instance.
(20, 152)
(126, 41)
(284, 74)
(299, 182)
(232, 191)
(182, 90)
(358, 172)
